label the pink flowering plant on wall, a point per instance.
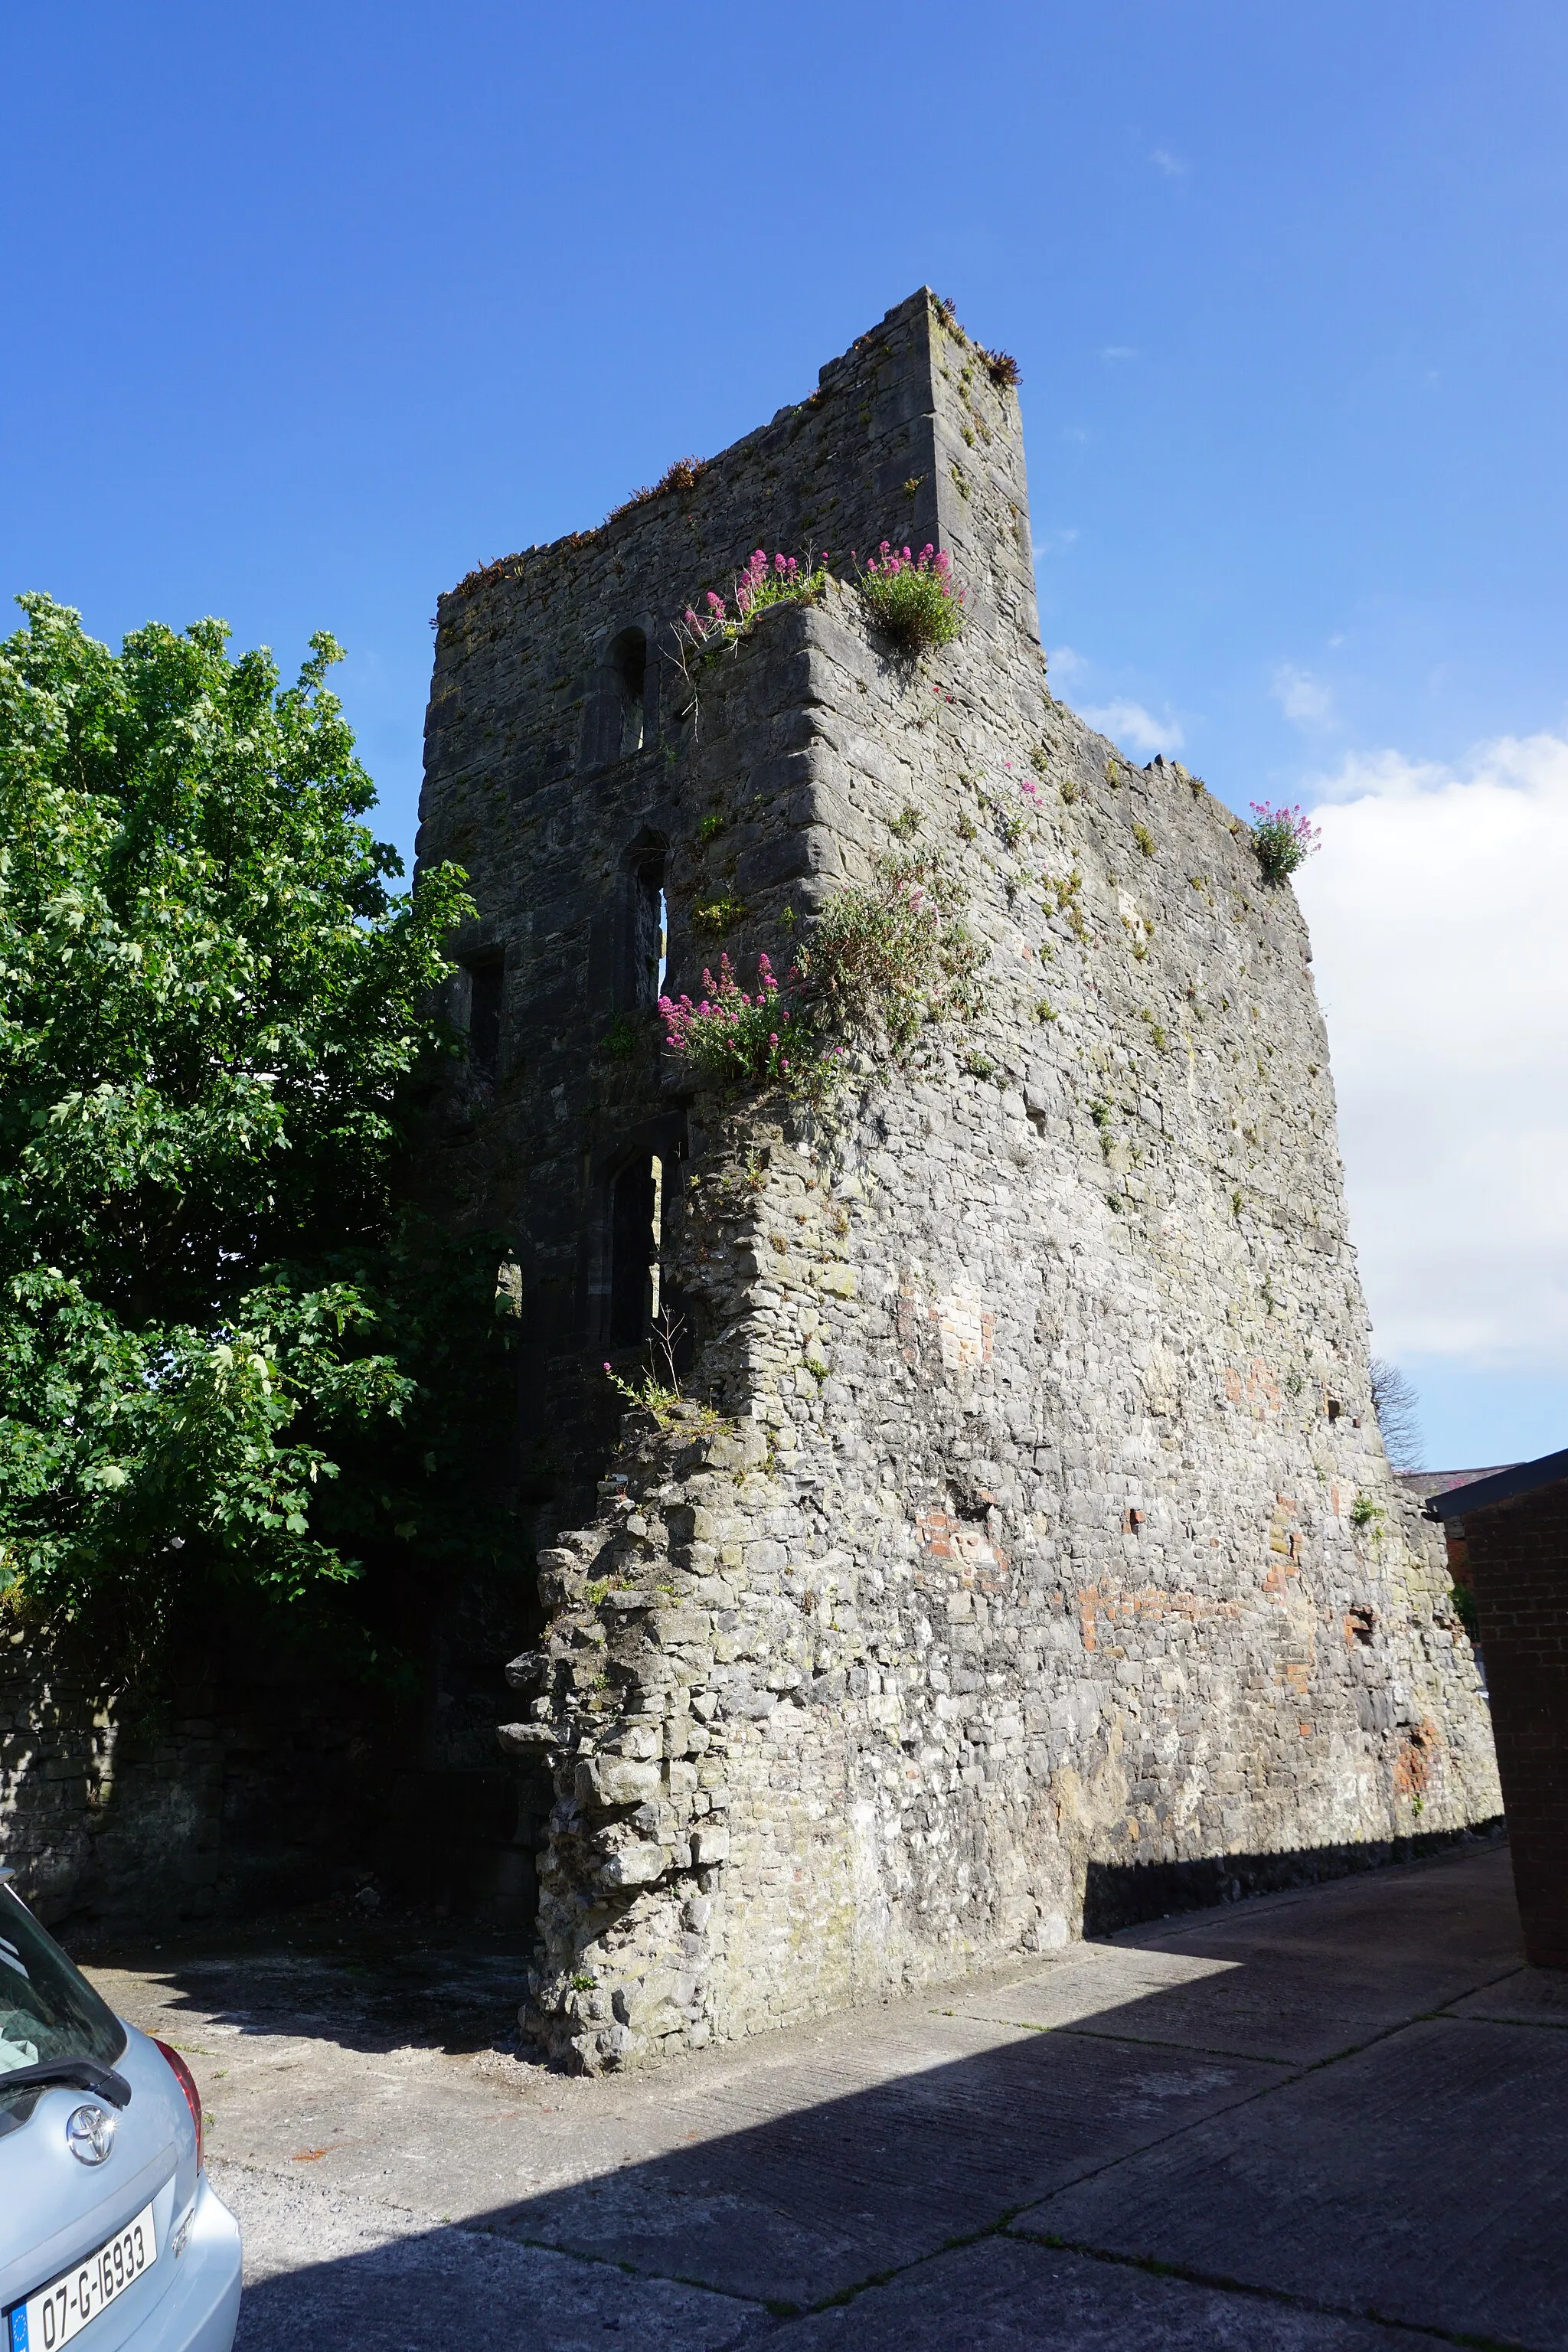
(717, 624)
(912, 598)
(783, 581)
(1283, 839)
(883, 960)
(732, 1037)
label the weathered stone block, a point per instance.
(616, 1781)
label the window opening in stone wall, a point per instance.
(637, 1221)
(628, 667)
(649, 929)
(486, 984)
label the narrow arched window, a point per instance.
(647, 932)
(636, 1218)
(487, 987)
(628, 668)
(615, 716)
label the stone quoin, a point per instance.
(1025, 1549)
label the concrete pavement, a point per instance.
(1336, 2118)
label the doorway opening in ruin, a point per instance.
(637, 1234)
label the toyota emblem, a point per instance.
(89, 2134)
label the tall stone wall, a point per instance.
(1028, 1535)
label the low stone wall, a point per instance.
(254, 1777)
(100, 1817)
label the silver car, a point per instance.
(109, 2234)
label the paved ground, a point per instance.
(1320, 2122)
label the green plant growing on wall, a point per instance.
(882, 963)
(1283, 839)
(911, 599)
(907, 823)
(711, 827)
(718, 917)
(1364, 1512)
(621, 1039)
(888, 958)
(659, 1391)
(1062, 895)
(1144, 838)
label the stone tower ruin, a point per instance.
(1024, 1548)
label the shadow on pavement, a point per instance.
(1336, 2116)
(368, 1991)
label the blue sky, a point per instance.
(310, 311)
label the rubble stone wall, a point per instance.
(1030, 1520)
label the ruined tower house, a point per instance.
(1026, 1544)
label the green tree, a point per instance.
(222, 1344)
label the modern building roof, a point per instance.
(1473, 1494)
(1423, 1484)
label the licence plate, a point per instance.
(68, 2303)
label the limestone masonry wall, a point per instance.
(1029, 1528)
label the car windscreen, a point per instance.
(48, 2008)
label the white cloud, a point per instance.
(1120, 352)
(1055, 542)
(1063, 664)
(1300, 695)
(1435, 907)
(1171, 165)
(1130, 723)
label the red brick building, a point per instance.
(1507, 1539)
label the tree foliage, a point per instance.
(217, 1328)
